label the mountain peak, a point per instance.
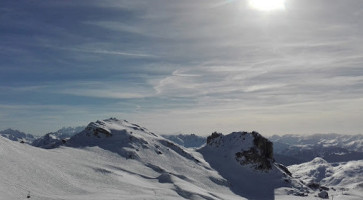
(115, 135)
(319, 160)
(17, 135)
(129, 140)
(108, 127)
(247, 148)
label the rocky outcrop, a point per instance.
(260, 155)
(211, 138)
(250, 148)
(284, 169)
(323, 194)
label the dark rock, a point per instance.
(313, 185)
(213, 136)
(263, 144)
(324, 188)
(102, 131)
(284, 169)
(323, 195)
(261, 154)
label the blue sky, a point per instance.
(182, 66)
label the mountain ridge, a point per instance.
(16, 135)
(295, 149)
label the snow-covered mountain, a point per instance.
(54, 139)
(241, 157)
(16, 135)
(329, 174)
(110, 159)
(335, 178)
(187, 140)
(116, 159)
(295, 149)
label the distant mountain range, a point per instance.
(295, 149)
(16, 135)
(189, 141)
(54, 139)
(348, 142)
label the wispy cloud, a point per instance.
(102, 51)
(104, 93)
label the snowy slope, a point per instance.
(110, 159)
(54, 139)
(16, 135)
(185, 171)
(189, 141)
(97, 173)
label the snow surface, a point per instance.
(101, 168)
(115, 159)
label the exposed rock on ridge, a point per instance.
(249, 148)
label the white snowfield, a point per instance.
(114, 159)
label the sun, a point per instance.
(267, 5)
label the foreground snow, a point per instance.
(95, 173)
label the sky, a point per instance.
(183, 66)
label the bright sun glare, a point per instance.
(267, 5)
